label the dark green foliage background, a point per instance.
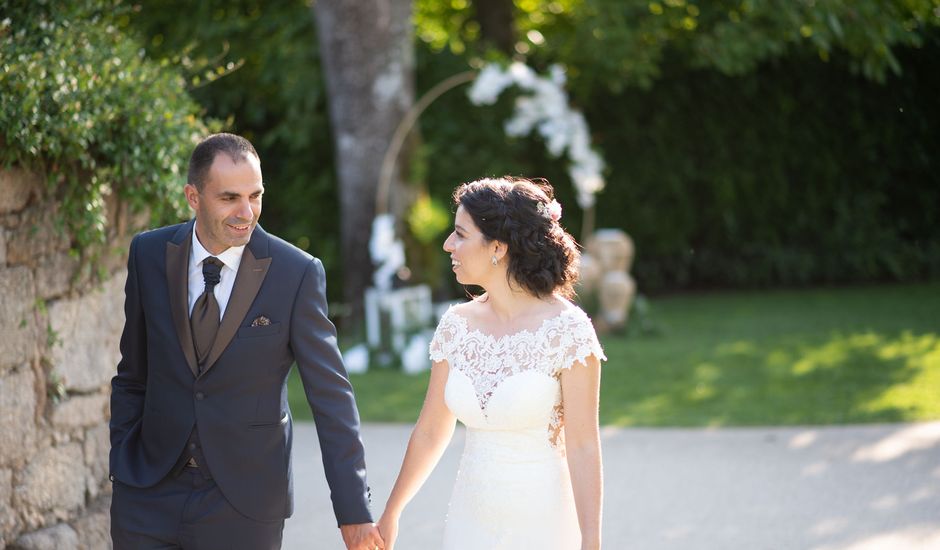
(754, 163)
(81, 106)
(275, 97)
(800, 172)
(781, 144)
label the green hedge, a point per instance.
(798, 173)
(80, 104)
(789, 171)
(801, 172)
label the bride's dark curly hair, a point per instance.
(543, 257)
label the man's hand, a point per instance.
(362, 536)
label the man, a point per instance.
(217, 311)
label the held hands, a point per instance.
(388, 528)
(362, 536)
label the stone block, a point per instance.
(97, 447)
(54, 275)
(17, 186)
(36, 235)
(53, 480)
(94, 528)
(57, 537)
(7, 516)
(17, 415)
(19, 333)
(88, 332)
(3, 247)
(81, 411)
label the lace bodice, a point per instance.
(512, 381)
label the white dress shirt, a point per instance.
(231, 257)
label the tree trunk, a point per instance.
(368, 60)
(497, 25)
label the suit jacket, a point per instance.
(239, 401)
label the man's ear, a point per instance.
(192, 196)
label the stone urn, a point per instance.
(605, 273)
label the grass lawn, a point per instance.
(821, 356)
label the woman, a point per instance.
(520, 367)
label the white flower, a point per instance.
(488, 85)
(522, 75)
(545, 108)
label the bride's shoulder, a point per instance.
(569, 309)
(468, 311)
(458, 313)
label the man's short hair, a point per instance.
(236, 147)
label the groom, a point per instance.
(217, 311)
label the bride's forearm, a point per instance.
(584, 462)
(424, 451)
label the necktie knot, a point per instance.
(211, 269)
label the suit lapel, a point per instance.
(251, 273)
(177, 277)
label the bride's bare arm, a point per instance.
(429, 439)
(580, 388)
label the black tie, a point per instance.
(205, 316)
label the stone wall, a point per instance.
(60, 323)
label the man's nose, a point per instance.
(244, 210)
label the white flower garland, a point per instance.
(546, 109)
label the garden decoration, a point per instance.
(544, 108)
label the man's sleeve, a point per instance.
(313, 342)
(129, 384)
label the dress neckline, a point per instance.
(534, 331)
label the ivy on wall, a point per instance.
(80, 104)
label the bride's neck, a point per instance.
(508, 304)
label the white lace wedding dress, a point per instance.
(513, 489)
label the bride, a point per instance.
(520, 367)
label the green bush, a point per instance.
(749, 143)
(275, 97)
(786, 170)
(79, 103)
(797, 173)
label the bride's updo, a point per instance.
(543, 257)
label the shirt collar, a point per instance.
(231, 256)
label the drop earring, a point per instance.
(493, 259)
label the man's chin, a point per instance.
(239, 239)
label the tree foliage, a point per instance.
(79, 103)
(627, 42)
(256, 65)
(749, 143)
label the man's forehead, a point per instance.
(224, 158)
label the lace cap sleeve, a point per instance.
(442, 344)
(581, 341)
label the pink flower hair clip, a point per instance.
(550, 210)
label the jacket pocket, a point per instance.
(262, 330)
(265, 425)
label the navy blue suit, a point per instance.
(238, 402)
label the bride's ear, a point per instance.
(500, 250)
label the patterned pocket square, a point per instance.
(261, 321)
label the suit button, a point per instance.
(192, 446)
(200, 396)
